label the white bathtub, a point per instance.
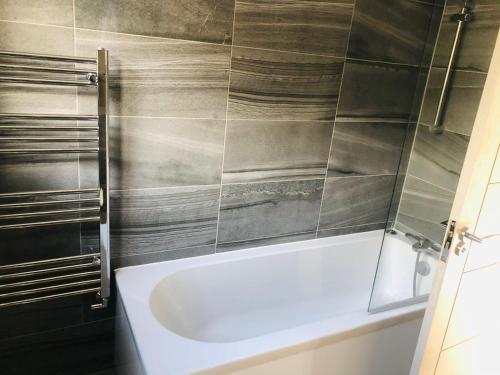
(298, 308)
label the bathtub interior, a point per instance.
(241, 299)
(394, 282)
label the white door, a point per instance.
(461, 330)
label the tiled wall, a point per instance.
(436, 160)
(233, 124)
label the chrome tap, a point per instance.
(424, 245)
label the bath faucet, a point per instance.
(424, 245)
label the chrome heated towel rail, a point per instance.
(42, 280)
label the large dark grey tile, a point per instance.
(479, 36)
(77, 350)
(353, 201)
(273, 150)
(37, 172)
(423, 207)
(264, 210)
(159, 77)
(366, 148)
(36, 39)
(462, 100)
(154, 220)
(49, 12)
(275, 85)
(161, 152)
(25, 245)
(317, 27)
(350, 230)
(438, 158)
(43, 316)
(238, 245)
(377, 90)
(390, 30)
(202, 20)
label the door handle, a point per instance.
(474, 238)
(461, 247)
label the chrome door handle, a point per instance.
(473, 237)
(462, 235)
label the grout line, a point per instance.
(225, 130)
(220, 119)
(273, 181)
(38, 24)
(269, 237)
(432, 184)
(353, 226)
(335, 119)
(164, 188)
(361, 176)
(155, 37)
(290, 52)
(382, 62)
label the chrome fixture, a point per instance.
(462, 18)
(424, 245)
(43, 280)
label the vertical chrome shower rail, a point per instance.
(103, 121)
(462, 17)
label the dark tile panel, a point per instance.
(36, 39)
(162, 256)
(366, 148)
(350, 230)
(352, 201)
(316, 27)
(462, 101)
(230, 246)
(49, 12)
(44, 316)
(264, 210)
(273, 150)
(478, 40)
(390, 30)
(24, 245)
(438, 158)
(275, 85)
(377, 90)
(161, 152)
(201, 20)
(423, 207)
(37, 172)
(77, 350)
(154, 220)
(155, 77)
